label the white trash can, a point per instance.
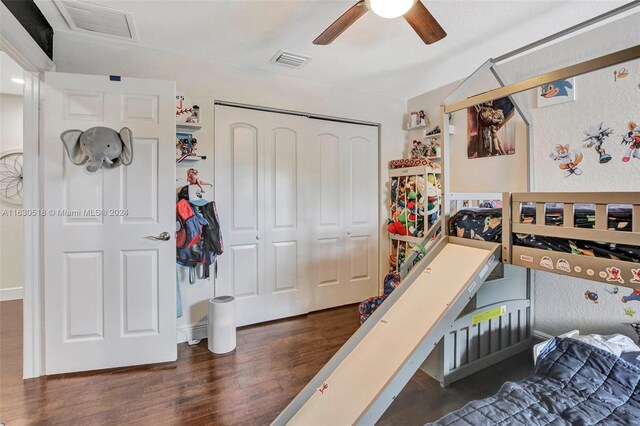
(222, 324)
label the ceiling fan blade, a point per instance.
(342, 23)
(423, 23)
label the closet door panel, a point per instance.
(239, 181)
(344, 241)
(244, 179)
(286, 287)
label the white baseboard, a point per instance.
(195, 332)
(13, 293)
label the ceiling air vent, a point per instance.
(97, 20)
(290, 59)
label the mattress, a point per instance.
(572, 383)
(486, 224)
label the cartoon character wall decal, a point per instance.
(591, 295)
(614, 290)
(595, 137)
(636, 276)
(567, 160)
(323, 388)
(629, 312)
(635, 295)
(614, 275)
(556, 89)
(632, 140)
(620, 74)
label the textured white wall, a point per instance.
(560, 301)
(205, 82)
(11, 227)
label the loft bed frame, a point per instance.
(492, 339)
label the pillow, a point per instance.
(617, 344)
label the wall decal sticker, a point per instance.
(635, 295)
(614, 275)
(614, 290)
(557, 92)
(563, 265)
(591, 295)
(546, 262)
(629, 312)
(632, 141)
(620, 74)
(636, 276)
(323, 388)
(567, 160)
(595, 138)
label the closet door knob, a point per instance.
(348, 232)
(257, 237)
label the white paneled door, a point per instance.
(271, 171)
(343, 213)
(109, 289)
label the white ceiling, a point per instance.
(375, 55)
(8, 70)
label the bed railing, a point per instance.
(583, 265)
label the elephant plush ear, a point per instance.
(71, 141)
(127, 146)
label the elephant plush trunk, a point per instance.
(94, 166)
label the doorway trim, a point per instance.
(19, 45)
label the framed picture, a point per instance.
(489, 131)
(557, 92)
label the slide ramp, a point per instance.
(361, 380)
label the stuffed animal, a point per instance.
(99, 147)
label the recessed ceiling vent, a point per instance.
(290, 59)
(97, 20)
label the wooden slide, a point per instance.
(358, 384)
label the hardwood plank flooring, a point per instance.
(271, 364)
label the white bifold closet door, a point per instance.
(297, 200)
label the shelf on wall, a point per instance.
(192, 158)
(436, 135)
(419, 126)
(187, 127)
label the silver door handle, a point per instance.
(164, 236)
(257, 237)
(348, 232)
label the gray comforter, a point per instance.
(572, 383)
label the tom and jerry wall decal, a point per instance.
(99, 147)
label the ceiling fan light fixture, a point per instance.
(390, 8)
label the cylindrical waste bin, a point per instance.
(222, 324)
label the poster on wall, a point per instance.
(487, 131)
(557, 92)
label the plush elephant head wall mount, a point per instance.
(99, 147)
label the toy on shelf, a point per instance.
(418, 119)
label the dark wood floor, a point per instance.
(250, 386)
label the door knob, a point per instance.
(348, 232)
(257, 237)
(164, 236)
